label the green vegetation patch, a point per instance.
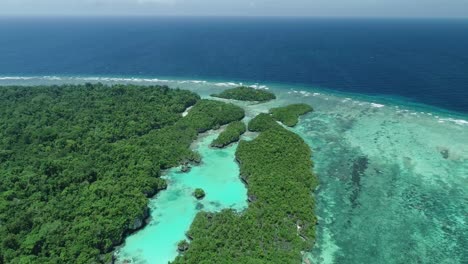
(209, 114)
(182, 246)
(279, 222)
(243, 93)
(230, 135)
(78, 163)
(289, 115)
(199, 193)
(262, 122)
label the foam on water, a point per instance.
(377, 105)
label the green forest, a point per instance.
(279, 222)
(78, 163)
(289, 115)
(230, 135)
(244, 93)
(262, 122)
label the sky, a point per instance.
(316, 8)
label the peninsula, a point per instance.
(230, 135)
(280, 222)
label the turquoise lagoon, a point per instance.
(393, 178)
(173, 210)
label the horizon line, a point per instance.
(222, 16)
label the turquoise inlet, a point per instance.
(173, 210)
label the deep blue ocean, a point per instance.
(422, 60)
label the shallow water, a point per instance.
(173, 210)
(393, 184)
(393, 178)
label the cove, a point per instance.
(173, 210)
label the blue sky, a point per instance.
(340, 8)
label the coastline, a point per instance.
(398, 102)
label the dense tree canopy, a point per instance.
(289, 115)
(243, 93)
(230, 135)
(262, 122)
(78, 163)
(279, 222)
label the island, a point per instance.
(230, 135)
(199, 193)
(79, 163)
(244, 93)
(279, 222)
(289, 115)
